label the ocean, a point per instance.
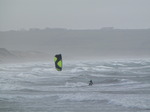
(119, 86)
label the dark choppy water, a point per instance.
(119, 86)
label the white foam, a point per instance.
(78, 84)
(138, 101)
(126, 100)
(79, 69)
(79, 97)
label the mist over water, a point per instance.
(95, 44)
(119, 85)
(81, 30)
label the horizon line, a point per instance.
(59, 28)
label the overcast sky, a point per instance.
(74, 14)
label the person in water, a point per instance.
(90, 83)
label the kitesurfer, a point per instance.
(90, 83)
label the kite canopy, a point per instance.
(58, 62)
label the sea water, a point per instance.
(119, 86)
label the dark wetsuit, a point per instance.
(90, 83)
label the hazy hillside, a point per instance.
(80, 43)
(5, 55)
(21, 56)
